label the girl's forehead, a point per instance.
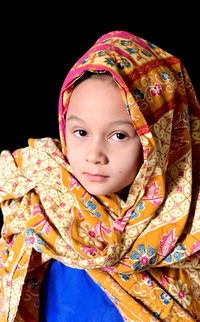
(98, 104)
(96, 92)
(108, 121)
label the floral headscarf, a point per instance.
(143, 253)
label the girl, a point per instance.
(79, 214)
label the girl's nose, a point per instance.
(96, 154)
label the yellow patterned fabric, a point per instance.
(145, 252)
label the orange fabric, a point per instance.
(143, 253)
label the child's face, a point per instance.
(103, 147)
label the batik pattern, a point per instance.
(145, 253)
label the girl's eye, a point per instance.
(119, 136)
(80, 133)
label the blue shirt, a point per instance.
(69, 294)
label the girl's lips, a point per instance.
(95, 177)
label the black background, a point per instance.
(39, 44)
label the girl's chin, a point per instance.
(123, 193)
(99, 191)
(102, 187)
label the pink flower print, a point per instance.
(143, 257)
(163, 281)
(73, 182)
(37, 210)
(107, 269)
(151, 193)
(90, 251)
(156, 90)
(91, 234)
(152, 190)
(120, 223)
(195, 247)
(147, 280)
(181, 293)
(100, 226)
(49, 168)
(86, 232)
(167, 243)
(32, 240)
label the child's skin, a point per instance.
(103, 148)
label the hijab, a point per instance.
(143, 253)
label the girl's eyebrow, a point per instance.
(117, 122)
(73, 117)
